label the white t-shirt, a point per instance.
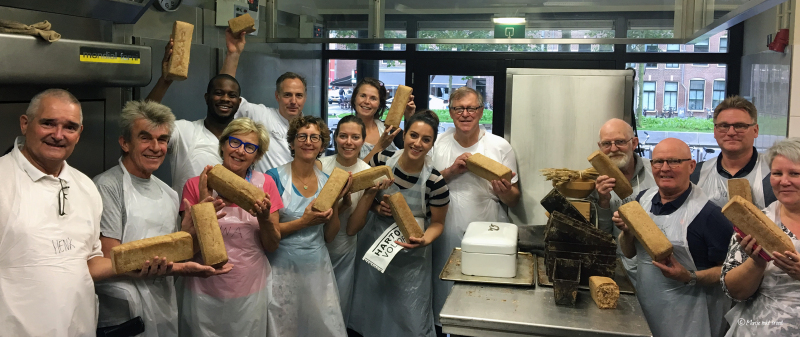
(277, 126)
(191, 148)
(494, 147)
(328, 164)
(44, 280)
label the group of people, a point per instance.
(291, 270)
(692, 292)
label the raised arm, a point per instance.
(235, 46)
(160, 89)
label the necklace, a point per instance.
(305, 185)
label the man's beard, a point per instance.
(621, 159)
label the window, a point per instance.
(671, 96)
(651, 48)
(696, 90)
(719, 93)
(701, 47)
(700, 64)
(673, 48)
(651, 65)
(642, 32)
(723, 44)
(649, 98)
(673, 66)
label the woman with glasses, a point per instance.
(398, 302)
(304, 296)
(768, 293)
(369, 103)
(234, 304)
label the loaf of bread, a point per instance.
(740, 187)
(584, 207)
(367, 178)
(488, 168)
(605, 292)
(178, 68)
(404, 217)
(327, 197)
(751, 221)
(234, 188)
(395, 114)
(646, 231)
(604, 166)
(242, 23)
(130, 256)
(209, 235)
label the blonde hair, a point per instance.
(156, 114)
(242, 126)
(464, 92)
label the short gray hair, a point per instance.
(36, 102)
(789, 148)
(156, 114)
(464, 92)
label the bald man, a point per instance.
(618, 142)
(681, 295)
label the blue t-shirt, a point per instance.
(708, 234)
(273, 173)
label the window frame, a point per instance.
(693, 92)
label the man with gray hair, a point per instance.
(471, 198)
(137, 205)
(618, 142)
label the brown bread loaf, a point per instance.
(751, 221)
(366, 179)
(130, 256)
(178, 68)
(234, 188)
(740, 187)
(327, 197)
(395, 114)
(605, 292)
(604, 166)
(488, 168)
(646, 231)
(242, 23)
(209, 235)
(404, 217)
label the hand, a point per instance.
(312, 218)
(502, 187)
(195, 269)
(789, 262)
(414, 243)
(384, 208)
(673, 269)
(187, 223)
(388, 136)
(204, 190)
(235, 44)
(346, 188)
(619, 223)
(159, 267)
(411, 107)
(752, 249)
(459, 165)
(165, 60)
(604, 185)
(261, 210)
(381, 185)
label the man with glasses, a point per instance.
(471, 198)
(681, 295)
(618, 141)
(50, 250)
(735, 129)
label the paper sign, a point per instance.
(384, 249)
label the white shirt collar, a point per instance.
(34, 173)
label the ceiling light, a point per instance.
(509, 21)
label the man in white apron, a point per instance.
(618, 141)
(472, 198)
(735, 129)
(49, 227)
(680, 296)
(137, 205)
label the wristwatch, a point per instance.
(693, 278)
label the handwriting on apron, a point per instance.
(63, 245)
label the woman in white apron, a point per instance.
(304, 300)
(369, 103)
(768, 293)
(398, 302)
(235, 304)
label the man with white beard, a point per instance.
(618, 142)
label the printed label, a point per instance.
(106, 55)
(384, 249)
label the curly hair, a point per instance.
(378, 85)
(300, 122)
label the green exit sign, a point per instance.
(509, 31)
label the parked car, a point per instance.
(333, 95)
(434, 103)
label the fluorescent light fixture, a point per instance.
(509, 21)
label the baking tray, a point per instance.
(526, 268)
(624, 284)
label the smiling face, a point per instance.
(51, 136)
(307, 150)
(291, 98)
(349, 140)
(466, 121)
(418, 140)
(730, 140)
(785, 180)
(673, 179)
(237, 159)
(223, 100)
(147, 148)
(618, 130)
(366, 102)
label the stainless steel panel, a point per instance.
(126, 11)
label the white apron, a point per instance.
(232, 304)
(671, 307)
(367, 147)
(471, 199)
(397, 302)
(152, 299)
(304, 300)
(716, 187)
(776, 301)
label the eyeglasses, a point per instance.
(62, 197)
(673, 163)
(235, 143)
(460, 110)
(738, 127)
(302, 137)
(619, 143)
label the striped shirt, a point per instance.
(436, 192)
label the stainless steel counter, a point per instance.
(496, 310)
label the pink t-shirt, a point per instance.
(191, 192)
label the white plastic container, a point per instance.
(489, 249)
